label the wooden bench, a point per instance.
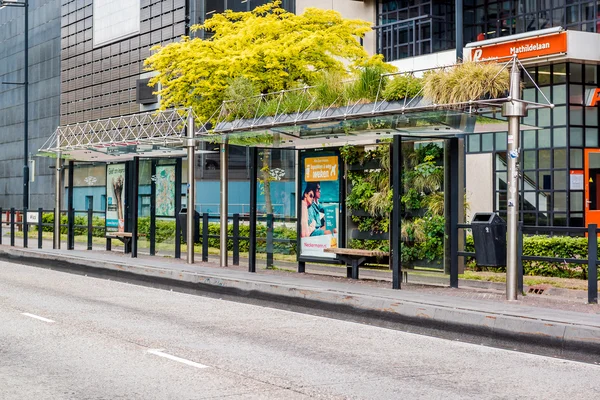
(124, 237)
(354, 258)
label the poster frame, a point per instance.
(174, 215)
(301, 154)
(124, 199)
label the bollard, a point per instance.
(90, 220)
(592, 264)
(40, 226)
(25, 228)
(236, 239)
(205, 237)
(12, 227)
(269, 240)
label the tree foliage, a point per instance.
(274, 49)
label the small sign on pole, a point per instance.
(32, 217)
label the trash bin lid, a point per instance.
(487, 218)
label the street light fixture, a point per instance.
(25, 83)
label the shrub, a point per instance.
(561, 247)
(401, 87)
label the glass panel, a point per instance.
(560, 71)
(576, 137)
(560, 220)
(576, 115)
(544, 117)
(576, 219)
(544, 77)
(544, 158)
(529, 94)
(501, 141)
(529, 139)
(590, 73)
(545, 180)
(560, 115)
(576, 158)
(559, 94)
(591, 137)
(559, 137)
(529, 159)
(594, 173)
(487, 142)
(576, 201)
(560, 158)
(543, 219)
(591, 116)
(530, 118)
(560, 180)
(474, 145)
(501, 161)
(575, 73)
(576, 94)
(544, 137)
(546, 91)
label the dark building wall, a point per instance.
(44, 99)
(99, 82)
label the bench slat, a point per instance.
(356, 252)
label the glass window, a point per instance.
(529, 94)
(544, 138)
(501, 161)
(576, 94)
(575, 158)
(560, 158)
(560, 115)
(559, 95)
(474, 145)
(544, 117)
(591, 137)
(590, 72)
(560, 182)
(576, 201)
(575, 73)
(529, 157)
(529, 139)
(487, 142)
(545, 180)
(591, 116)
(560, 72)
(544, 159)
(576, 115)
(576, 136)
(544, 77)
(501, 141)
(559, 136)
(560, 219)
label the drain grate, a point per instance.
(533, 290)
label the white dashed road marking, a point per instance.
(159, 353)
(37, 317)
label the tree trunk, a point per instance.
(266, 178)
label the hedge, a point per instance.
(561, 247)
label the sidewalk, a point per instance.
(559, 325)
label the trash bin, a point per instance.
(183, 225)
(489, 238)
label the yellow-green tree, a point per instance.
(271, 47)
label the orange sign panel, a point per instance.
(524, 48)
(321, 169)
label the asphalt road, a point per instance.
(65, 336)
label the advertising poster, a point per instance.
(115, 198)
(319, 203)
(165, 190)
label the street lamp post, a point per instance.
(25, 5)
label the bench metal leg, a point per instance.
(127, 245)
(355, 268)
(348, 271)
(108, 244)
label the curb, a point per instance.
(533, 335)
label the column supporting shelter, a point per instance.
(178, 172)
(57, 200)
(70, 211)
(453, 215)
(135, 175)
(224, 202)
(253, 209)
(191, 188)
(152, 232)
(396, 226)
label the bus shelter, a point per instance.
(176, 133)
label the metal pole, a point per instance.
(135, 183)
(252, 216)
(70, 209)
(178, 232)
(153, 209)
(513, 110)
(191, 187)
(57, 196)
(26, 113)
(224, 200)
(396, 228)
